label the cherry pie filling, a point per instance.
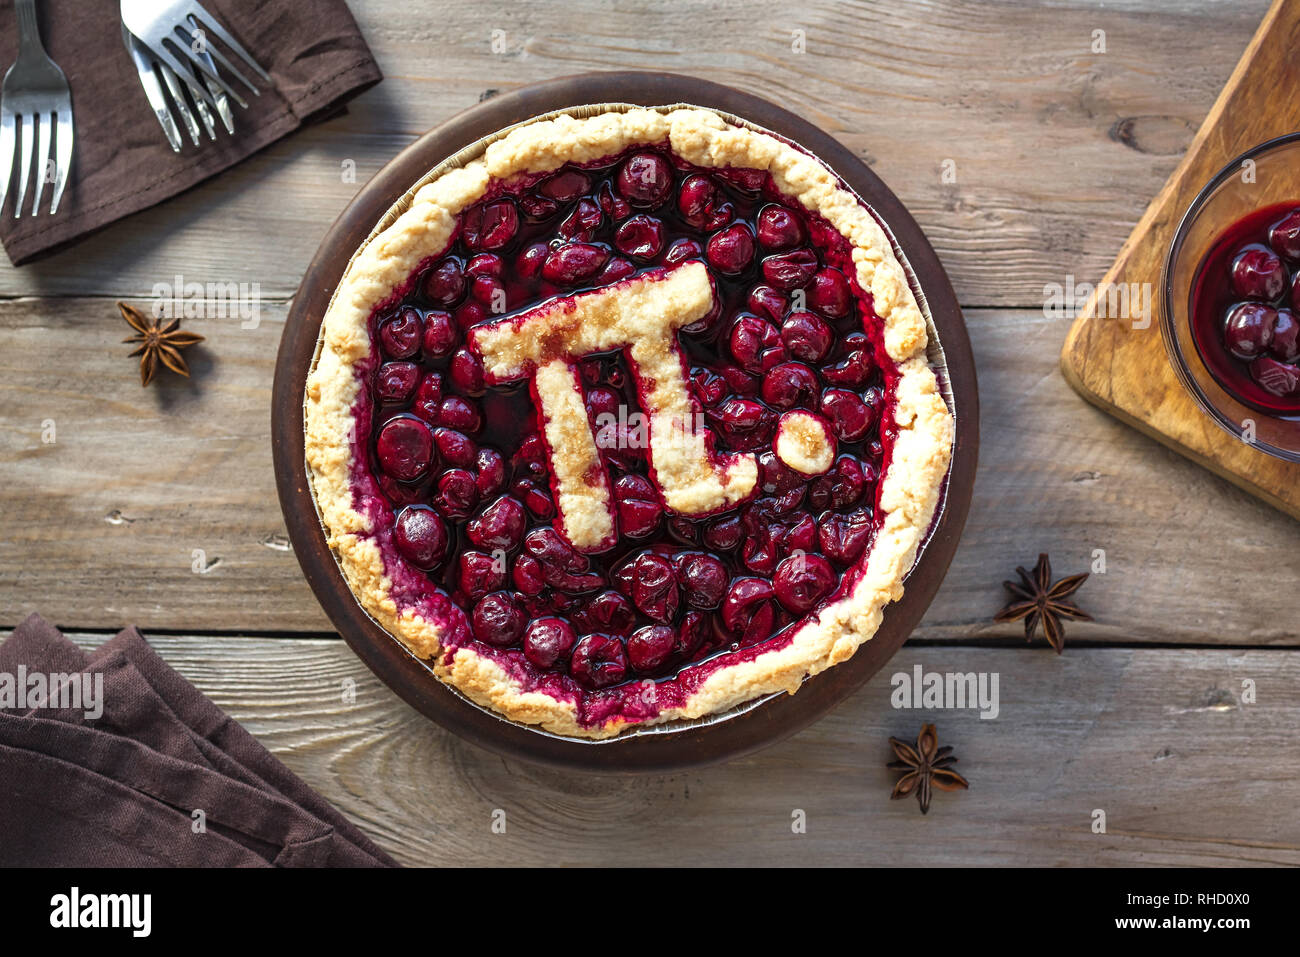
(453, 470)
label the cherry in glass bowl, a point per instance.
(1230, 314)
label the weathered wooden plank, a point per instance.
(1186, 772)
(1056, 149)
(104, 524)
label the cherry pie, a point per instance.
(627, 421)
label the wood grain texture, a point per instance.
(112, 513)
(1123, 369)
(1057, 150)
(1160, 740)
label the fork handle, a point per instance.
(29, 34)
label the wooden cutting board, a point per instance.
(1124, 370)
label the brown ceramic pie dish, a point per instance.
(474, 510)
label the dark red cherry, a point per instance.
(766, 302)
(747, 610)
(499, 620)
(536, 499)
(640, 237)
(844, 538)
(485, 264)
(829, 293)
(479, 574)
(420, 536)
(849, 416)
(603, 401)
(491, 473)
(1248, 329)
(755, 344)
(456, 494)
(581, 224)
(537, 207)
(469, 314)
(456, 412)
(573, 263)
(404, 448)
(440, 334)
(611, 204)
(790, 384)
(598, 661)
(565, 186)
(645, 179)
(528, 264)
(724, 534)
(1284, 236)
(650, 647)
(616, 269)
(527, 575)
(490, 225)
(697, 198)
(500, 525)
(731, 250)
(654, 587)
(852, 372)
(396, 381)
(445, 282)
(704, 580)
(801, 581)
(792, 270)
(638, 506)
(1258, 273)
(779, 228)
(490, 292)
(681, 250)
(806, 336)
(547, 640)
(745, 422)
(841, 487)
(1279, 378)
(1286, 337)
(466, 373)
(400, 335)
(693, 633)
(710, 388)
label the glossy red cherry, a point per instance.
(396, 381)
(420, 536)
(681, 250)
(731, 250)
(400, 336)
(640, 237)
(766, 302)
(404, 448)
(527, 575)
(779, 228)
(755, 344)
(724, 534)
(829, 293)
(645, 179)
(841, 487)
(445, 282)
(790, 384)
(456, 412)
(581, 224)
(616, 269)
(488, 226)
(441, 336)
(806, 336)
(1284, 235)
(485, 264)
(650, 647)
(574, 263)
(654, 587)
(1280, 378)
(850, 417)
(704, 580)
(792, 270)
(479, 574)
(1258, 273)
(613, 205)
(598, 661)
(490, 473)
(697, 198)
(528, 264)
(638, 505)
(548, 640)
(498, 620)
(1286, 337)
(747, 610)
(466, 373)
(565, 186)
(844, 538)
(500, 525)
(1248, 329)
(801, 581)
(456, 495)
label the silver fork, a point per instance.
(34, 87)
(176, 33)
(150, 71)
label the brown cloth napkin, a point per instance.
(121, 162)
(120, 789)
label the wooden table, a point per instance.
(158, 506)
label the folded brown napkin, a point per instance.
(122, 163)
(120, 787)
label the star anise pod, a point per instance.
(927, 765)
(1037, 598)
(157, 343)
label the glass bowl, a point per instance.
(1267, 175)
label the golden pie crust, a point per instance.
(909, 490)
